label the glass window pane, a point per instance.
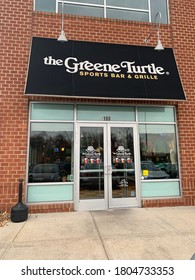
(52, 112)
(101, 113)
(127, 15)
(158, 152)
(45, 5)
(91, 163)
(122, 158)
(141, 4)
(96, 2)
(156, 114)
(160, 189)
(159, 6)
(51, 152)
(82, 10)
(50, 193)
(51, 127)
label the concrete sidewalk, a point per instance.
(135, 234)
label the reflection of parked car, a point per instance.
(65, 166)
(92, 176)
(169, 168)
(154, 172)
(45, 173)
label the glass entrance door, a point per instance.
(106, 164)
(92, 162)
(122, 179)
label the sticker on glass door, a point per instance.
(123, 160)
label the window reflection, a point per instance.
(123, 170)
(125, 9)
(158, 152)
(91, 163)
(51, 152)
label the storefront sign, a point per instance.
(91, 69)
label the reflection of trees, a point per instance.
(43, 145)
(91, 137)
(122, 136)
(155, 146)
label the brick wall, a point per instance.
(15, 21)
(19, 23)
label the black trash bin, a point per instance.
(19, 212)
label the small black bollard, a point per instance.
(19, 213)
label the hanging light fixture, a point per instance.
(159, 46)
(62, 38)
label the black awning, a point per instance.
(102, 70)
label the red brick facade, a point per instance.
(19, 23)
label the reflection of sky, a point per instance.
(157, 129)
(52, 127)
(50, 133)
(157, 137)
(159, 114)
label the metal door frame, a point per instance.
(131, 201)
(104, 204)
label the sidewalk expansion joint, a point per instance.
(11, 243)
(99, 235)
